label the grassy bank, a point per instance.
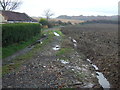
(16, 63)
(11, 49)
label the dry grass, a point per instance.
(68, 20)
(63, 20)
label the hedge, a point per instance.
(18, 32)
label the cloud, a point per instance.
(70, 7)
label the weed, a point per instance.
(63, 51)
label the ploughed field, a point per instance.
(99, 43)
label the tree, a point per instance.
(43, 21)
(9, 4)
(48, 13)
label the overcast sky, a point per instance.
(70, 7)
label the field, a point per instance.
(99, 43)
(63, 20)
(68, 20)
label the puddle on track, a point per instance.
(74, 41)
(22, 52)
(75, 45)
(64, 62)
(57, 47)
(56, 34)
(41, 42)
(102, 80)
(75, 68)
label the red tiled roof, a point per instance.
(16, 16)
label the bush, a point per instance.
(16, 33)
(43, 21)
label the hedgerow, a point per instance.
(18, 32)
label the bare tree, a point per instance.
(48, 13)
(9, 4)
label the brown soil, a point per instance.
(98, 42)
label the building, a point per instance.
(15, 17)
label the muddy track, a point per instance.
(47, 70)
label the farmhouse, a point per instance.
(15, 17)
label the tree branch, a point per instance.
(9, 5)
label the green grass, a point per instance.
(63, 51)
(8, 68)
(59, 32)
(63, 54)
(9, 50)
(17, 63)
(21, 59)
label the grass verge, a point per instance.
(9, 50)
(63, 51)
(16, 63)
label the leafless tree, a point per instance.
(48, 13)
(9, 4)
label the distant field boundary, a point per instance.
(69, 20)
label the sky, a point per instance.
(69, 7)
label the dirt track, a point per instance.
(50, 69)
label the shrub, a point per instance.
(43, 21)
(18, 32)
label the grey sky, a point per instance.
(70, 7)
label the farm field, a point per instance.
(68, 20)
(99, 43)
(63, 20)
(74, 56)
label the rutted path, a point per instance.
(48, 70)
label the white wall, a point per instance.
(2, 19)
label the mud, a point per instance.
(99, 43)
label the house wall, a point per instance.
(20, 22)
(2, 19)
